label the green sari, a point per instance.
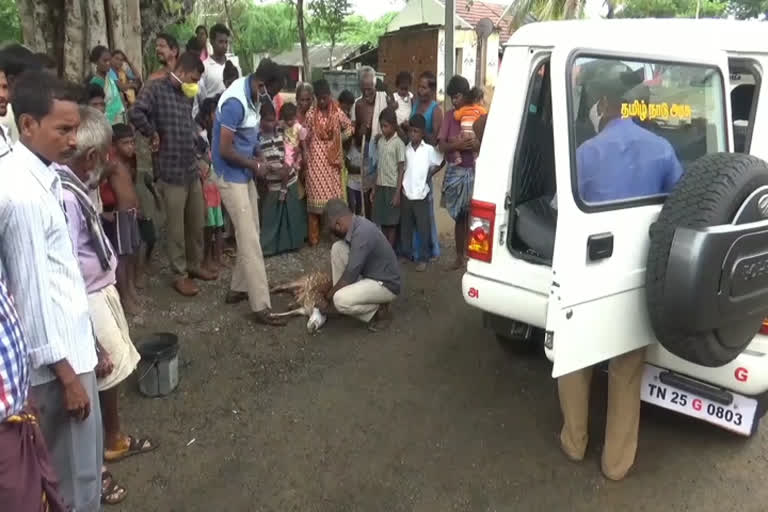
(114, 103)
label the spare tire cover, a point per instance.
(710, 193)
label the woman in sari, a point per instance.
(115, 110)
(128, 84)
(284, 216)
(305, 97)
(327, 126)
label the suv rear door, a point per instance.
(597, 307)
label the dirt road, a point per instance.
(432, 415)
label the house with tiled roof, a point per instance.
(415, 41)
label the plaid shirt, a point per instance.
(14, 373)
(163, 109)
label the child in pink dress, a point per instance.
(294, 136)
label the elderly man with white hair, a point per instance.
(117, 355)
(365, 118)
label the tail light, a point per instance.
(764, 327)
(481, 219)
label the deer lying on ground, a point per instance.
(308, 298)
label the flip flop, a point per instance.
(131, 446)
(112, 493)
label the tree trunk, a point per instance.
(303, 40)
(156, 16)
(330, 54)
(125, 23)
(229, 22)
(68, 30)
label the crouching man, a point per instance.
(366, 276)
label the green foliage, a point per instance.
(746, 9)
(10, 25)
(264, 28)
(329, 17)
(360, 31)
(671, 9)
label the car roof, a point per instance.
(728, 35)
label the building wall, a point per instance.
(465, 45)
(414, 51)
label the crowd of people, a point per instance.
(236, 170)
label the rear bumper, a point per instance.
(505, 300)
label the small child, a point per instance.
(403, 98)
(121, 223)
(294, 137)
(213, 232)
(422, 161)
(230, 73)
(96, 98)
(389, 178)
(467, 115)
(272, 150)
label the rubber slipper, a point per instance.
(131, 446)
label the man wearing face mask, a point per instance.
(623, 161)
(366, 275)
(235, 137)
(163, 114)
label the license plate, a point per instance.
(737, 417)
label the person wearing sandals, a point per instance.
(96, 256)
(43, 276)
(235, 136)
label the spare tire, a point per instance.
(710, 193)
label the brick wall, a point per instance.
(413, 50)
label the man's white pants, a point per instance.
(361, 299)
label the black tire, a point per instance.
(709, 194)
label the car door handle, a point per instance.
(600, 246)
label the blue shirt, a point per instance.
(625, 161)
(230, 115)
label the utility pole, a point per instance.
(450, 52)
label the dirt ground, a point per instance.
(431, 415)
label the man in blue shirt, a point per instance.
(234, 141)
(623, 161)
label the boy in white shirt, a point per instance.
(421, 162)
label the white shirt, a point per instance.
(9, 121)
(40, 267)
(404, 107)
(417, 164)
(212, 81)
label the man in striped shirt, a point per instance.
(39, 265)
(26, 479)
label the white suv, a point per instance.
(684, 274)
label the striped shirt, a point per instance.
(5, 141)
(14, 374)
(391, 152)
(272, 149)
(40, 268)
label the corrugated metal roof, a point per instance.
(318, 55)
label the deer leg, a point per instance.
(292, 312)
(290, 286)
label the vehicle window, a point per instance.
(636, 125)
(744, 83)
(533, 174)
